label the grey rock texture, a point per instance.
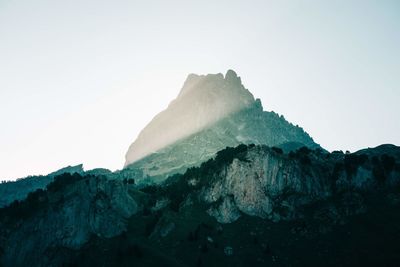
(226, 212)
(251, 186)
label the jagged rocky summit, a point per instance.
(210, 113)
(202, 101)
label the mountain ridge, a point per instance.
(251, 204)
(244, 188)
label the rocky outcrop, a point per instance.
(253, 185)
(267, 183)
(226, 212)
(67, 218)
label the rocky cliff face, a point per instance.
(267, 183)
(221, 113)
(66, 215)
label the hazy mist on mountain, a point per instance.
(203, 100)
(210, 113)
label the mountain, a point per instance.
(65, 215)
(250, 205)
(202, 101)
(210, 113)
(19, 189)
(214, 180)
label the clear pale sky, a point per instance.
(80, 79)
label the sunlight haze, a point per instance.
(80, 79)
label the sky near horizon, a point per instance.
(80, 79)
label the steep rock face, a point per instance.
(248, 125)
(202, 101)
(226, 212)
(255, 184)
(267, 183)
(67, 218)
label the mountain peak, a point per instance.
(202, 101)
(231, 76)
(219, 80)
(211, 112)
